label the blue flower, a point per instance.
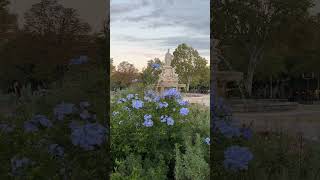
(137, 104)
(63, 109)
(42, 120)
(32, 125)
(130, 96)
(182, 102)
(18, 164)
(163, 104)
(56, 150)
(207, 140)
(246, 133)
(173, 92)
(226, 129)
(85, 115)
(121, 100)
(115, 113)
(84, 104)
(148, 123)
(147, 120)
(237, 158)
(170, 121)
(147, 117)
(88, 136)
(150, 96)
(163, 118)
(155, 66)
(6, 128)
(184, 111)
(156, 99)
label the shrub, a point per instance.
(149, 127)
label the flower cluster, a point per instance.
(237, 158)
(155, 66)
(172, 93)
(227, 130)
(162, 105)
(150, 96)
(182, 102)
(137, 104)
(35, 122)
(167, 119)
(88, 136)
(159, 101)
(6, 128)
(147, 120)
(18, 164)
(184, 111)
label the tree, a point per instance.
(8, 23)
(150, 75)
(50, 18)
(52, 35)
(124, 75)
(252, 25)
(188, 63)
(57, 32)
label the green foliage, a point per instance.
(124, 76)
(188, 63)
(192, 164)
(76, 164)
(133, 167)
(140, 152)
(150, 75)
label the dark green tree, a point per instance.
(150, 75)
(188, 63)
(249, 28)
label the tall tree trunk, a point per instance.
(255, 57)
(249, 78)
(188, 83)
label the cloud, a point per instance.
(127, 6)
(191, 15)
(199, 43)
(154, 14)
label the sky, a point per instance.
(145, 29)
(93, 12)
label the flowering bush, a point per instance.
(230, 156)
(50, 139)
(60, 145)
(148, 130)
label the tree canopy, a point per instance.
(188, 63)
